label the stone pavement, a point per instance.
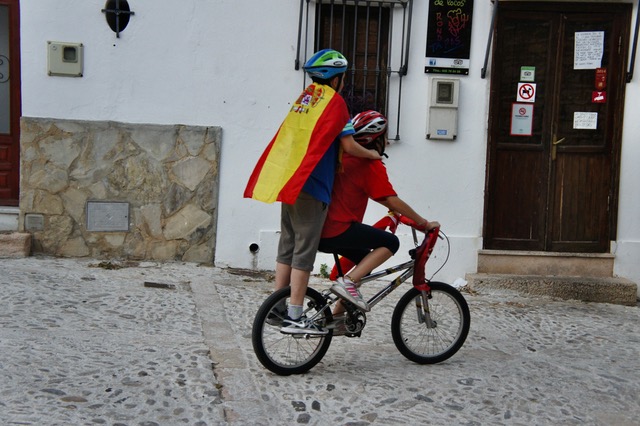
(88, 342)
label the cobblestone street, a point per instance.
(90, 342)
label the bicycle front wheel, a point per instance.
(439, 335)
(286, 354)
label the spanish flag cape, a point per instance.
(312, 125)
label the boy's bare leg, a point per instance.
(283, 275)
(371, 261)
(338, 308)
(297, 278)
(299, 283)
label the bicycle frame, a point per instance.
(414, 267)
(429, 323)
(393, 284)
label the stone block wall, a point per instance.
(167, 173)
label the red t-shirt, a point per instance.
(361, 179)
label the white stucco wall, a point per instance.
(230, 63)
(627, 246)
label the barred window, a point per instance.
(373, 36)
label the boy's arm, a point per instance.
(395, 204)
(350, 146)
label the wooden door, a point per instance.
(9, 103)
(556, 108)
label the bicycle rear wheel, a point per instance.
(425, 342)
(286, 354)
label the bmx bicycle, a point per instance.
(429, 324)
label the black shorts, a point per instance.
(357, 241)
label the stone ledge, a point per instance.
(15, 244)
(545, 263)
(588, 289)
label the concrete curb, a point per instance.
(587, 289)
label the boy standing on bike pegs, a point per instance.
(298, 168)
(343, 232)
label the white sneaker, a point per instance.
(347, 290)
(301, 326)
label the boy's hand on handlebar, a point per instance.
(433, 225)
(428, 226)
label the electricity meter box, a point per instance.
(443, 109)
(65, 59)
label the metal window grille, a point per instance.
(374, 37)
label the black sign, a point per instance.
(449, 36)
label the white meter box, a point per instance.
(443, 109)
(65, 59)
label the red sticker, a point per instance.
(601, 78)
(599, 97)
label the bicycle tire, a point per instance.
(286, 354)
(424, 345)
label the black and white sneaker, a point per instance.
(301, 326)
(277, 315)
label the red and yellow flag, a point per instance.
(315, 120)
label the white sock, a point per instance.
(294, 312)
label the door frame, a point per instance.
(15, 98)
(618, 108)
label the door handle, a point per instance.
(553, 147)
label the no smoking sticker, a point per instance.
(521, 120)
(526, 92)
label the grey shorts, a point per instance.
(300, 229)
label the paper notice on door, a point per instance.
(585, 120)
(521, 119)
(589, 46)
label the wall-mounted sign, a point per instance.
(521, 119)
(526, 92)
(599, 97)
(528, 74)
(449, 36)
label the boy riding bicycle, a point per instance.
(343, 232)
(298, 169)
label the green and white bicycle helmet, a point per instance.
(326, 64)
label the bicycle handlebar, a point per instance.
(422, 255)
(423, 251)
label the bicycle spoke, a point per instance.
(289, 353)
(289, 349)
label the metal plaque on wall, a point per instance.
(107, 216)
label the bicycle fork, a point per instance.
(422, 307)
